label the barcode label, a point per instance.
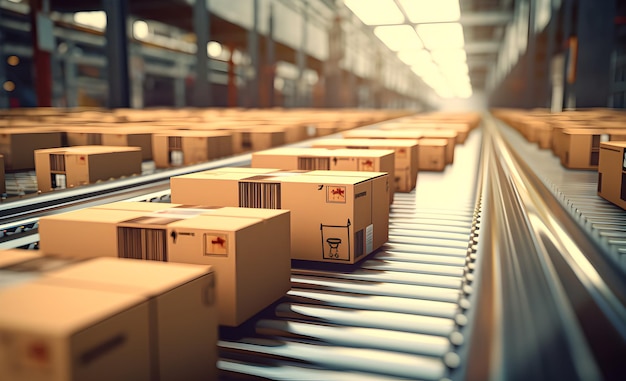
(175, 143)
(57, 162)
(314, 163)
(259, 195)
(139, 243)
(359, 247)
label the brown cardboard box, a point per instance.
(427, 133)
(185, 147)
(331, 216)
(612, 173)
(83, 136)
(3, 185)
(432, 154)
(83, 165)
(406, 156)
(119, 137)
(56, 333)
(84, 233)
(18, 145)
(325, 159)
(462, 129)
(581, 147)
(260, 138)
(181, 300)
(13, 256)
(234, 242)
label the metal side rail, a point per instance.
(399, 314)
(544, 311)
(604, 222)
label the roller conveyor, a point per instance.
(480, 278)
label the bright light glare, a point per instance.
(414, 56)
(214, 49)
(426, 69)
(140, 29)
(376, 12)
(94, 19)
(448, 56)
(398, 37)
(431, 11)
(441, 36)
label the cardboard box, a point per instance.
(261, 138)
(330, 160)
(581, 147)
(612, 172)
(3, 185)
(60, 333)
(18, 145)
(333, 218)
(13, 256)
(406, 156)
(432, 154)
(184, 147)
(234, 242)
(181, 301)
(75, 166)
(84, 233)
(83, 137)
(462, 129)
(426, 133)
(121, 138)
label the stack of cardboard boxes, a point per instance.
(106, 318)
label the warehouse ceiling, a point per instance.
(450, 44)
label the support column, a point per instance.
(180, 94)
(232, 79)
(71, 75)
(4, 96)
(117, 53)
(271, 58)
(595, 30)
(43, 44)
(550, 50)
(202, 27)
(568, 14)
(301, 59)
(531, 56)
(331, 66)
(253, 51)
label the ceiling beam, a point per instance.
(469, 19)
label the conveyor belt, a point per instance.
(577, 192)
(399, 314)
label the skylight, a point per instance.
(424, 11)
(398, 37)
(376, 12)
(441, 36)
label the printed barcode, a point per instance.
(175, 143)
(314, 163)
(138, 243)
(358, 244)
(259, 195)
(57, 163)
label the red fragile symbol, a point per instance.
(219, 241)
(81, 158)
(401, 150)
(38, 352)
(337, 191)
(368, 163)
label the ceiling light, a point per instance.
(426, 69)
(443, 56)
(94, 19)
(376, 12)
(414, 56)
(423, 11)
(441, 36)
(214, 49)
(141, 29)
(398, 37)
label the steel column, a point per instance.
(253, 51)
(271, 58)
(301, 59)
(531, 56)
(117, 52)
(595, 29)
(202, 27)
(4, 97)
(41, 56)
(71, 75)
(550, 50)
